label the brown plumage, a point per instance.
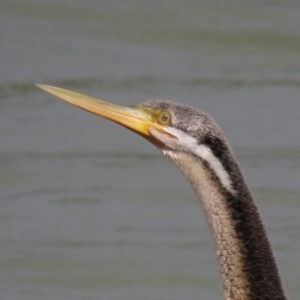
(195, 143)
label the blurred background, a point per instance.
(89, 210)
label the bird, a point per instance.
(198, 147)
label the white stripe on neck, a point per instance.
(206, 154)
(186, 142)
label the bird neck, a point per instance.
(247, 265)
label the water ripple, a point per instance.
(14, 89)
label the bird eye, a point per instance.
(163, 118)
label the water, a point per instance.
(91, 211)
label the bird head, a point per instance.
(169, 126)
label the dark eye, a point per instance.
(163, 118)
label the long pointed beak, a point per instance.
(138, 118)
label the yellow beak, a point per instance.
(139, 119)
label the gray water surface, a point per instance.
(92, 211)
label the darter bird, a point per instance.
(196, 144)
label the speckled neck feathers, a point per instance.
(247, 265)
